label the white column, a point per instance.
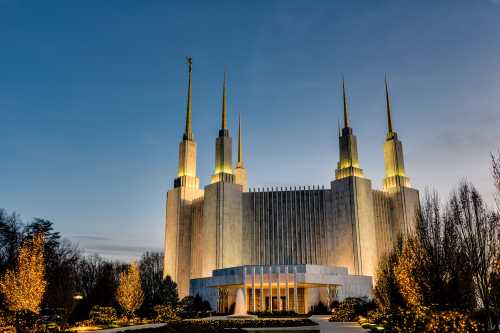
(253, 289)
(262, 303)
(295, 293)
(218, 300)
(270, 284)
(286, 288)
(278, 287)
(245, 286)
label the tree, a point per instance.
(157, 290)
(129, 293)
(479, 231)
(10, 239)
(387, 294)
(495, 167)
(97, 282)
(88, 269)
(169, 294)
(445, 271)
(46, 229)
(107, 283)
(495, 278)
(428, 267)
(24, 287)
(61, 275)
(413, 285)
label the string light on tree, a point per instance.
(129, 294)
(24, 286)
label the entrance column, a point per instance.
(270, 284)
(219, 307)
(253, 289)
(295, 293)
(286, 288)
(245, 286)
(262, 301)
(278, 287)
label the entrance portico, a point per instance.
(281, 287)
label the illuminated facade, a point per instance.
(221, 237)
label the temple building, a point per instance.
(287, 248)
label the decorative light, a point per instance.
(129, 293)
(23, 287)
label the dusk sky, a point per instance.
(93, 93)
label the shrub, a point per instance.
(319, 309)
(350, 309)
(424, 319)
(277, 314)
(103, 315)
(408, 320)
(194, 307)
(18, 321)
(451, 321)
(165, 313)
(376, 316)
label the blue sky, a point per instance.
(92, 99)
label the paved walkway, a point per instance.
(126, 328)
(324, 325)
(330, 327)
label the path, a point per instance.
(324, 325)
(126, 328)
(331, 327)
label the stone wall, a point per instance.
(354, 243)
(177, 262)
(222, 238)
(284, 226)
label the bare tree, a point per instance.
(445, 271)
(11, 238)
(478, 230)
(495, 167)
(495, 163)
(88, 271)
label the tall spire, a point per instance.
(188, 132)
(348, 164)
(186, 172)
(240, 173)
(395, 176)
(338, 126)
(239, 162)
(346, 115)
(223, 145)
(224, 104)
(388, 108)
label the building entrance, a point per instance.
(282, 303)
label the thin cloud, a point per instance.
(90, 237)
